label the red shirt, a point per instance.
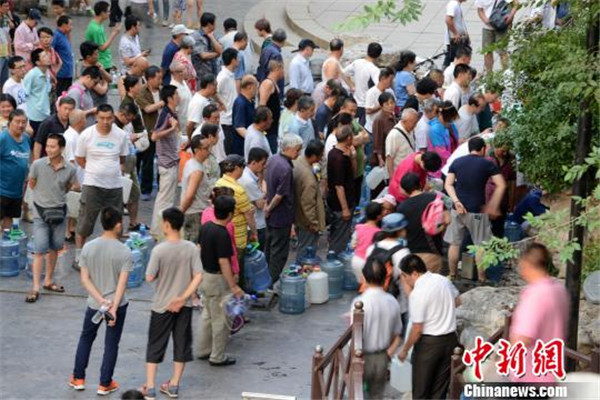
(407, 165)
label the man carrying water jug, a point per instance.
(50, 179)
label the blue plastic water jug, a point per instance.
(292, 293)
(20, 237)
(309, 257)
(513, 231)
(136, 276)
(146, 237)
(335, 273)
(350, 282)
(9, 259)
(256, 270)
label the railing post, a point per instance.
(456, 362)
(595, 362)
(357, 373)
(316, 391)
(507, 321)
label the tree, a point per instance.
(383, 10)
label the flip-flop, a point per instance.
(32, 296)
(53, 287)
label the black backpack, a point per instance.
(499, 13)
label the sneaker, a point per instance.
(171, 26)
(146, 197)
(171, 391)
(165, 23)
(77, 384)
(75, 265)
(104, 390)
(149, 393)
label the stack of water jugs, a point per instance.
(311, 281)
(141, 245)
(256, 270)
(13, 257)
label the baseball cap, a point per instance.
(393, 222)
(304, 43)
(179, 29)
(34, 13)
(388, 198)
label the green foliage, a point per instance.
(493, 252)
(386, 10)
(552, 73)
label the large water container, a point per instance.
(146, 237)
(401, 375)
(9, 259)
(292, 293)
(256, 270)
(318, 286)
(513, 231)
(136, 276)
(335, 272)
(20, 237)
(350, 282)
(309, 258)
(136, 241)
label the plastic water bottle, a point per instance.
(100, 314)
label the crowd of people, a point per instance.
(258, 161)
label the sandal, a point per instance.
(32, 296)
(53, 287)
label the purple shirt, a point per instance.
(280, 180)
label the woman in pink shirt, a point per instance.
(417, 163)
(183, 56)
(363, 237)
(542, 312)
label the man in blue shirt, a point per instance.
(272, 52)
(240, 43)
(302, 124)
(15, 150)
(62, 45)
(300, 73)
(243, 113)
(171, 48)
(37, 86)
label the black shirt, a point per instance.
(215, 243)
(339, 173)
(413, 208)
(48, 126)
(472, 172)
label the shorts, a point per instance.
(10, 208)
(131, 170)
(489, 37)
(479, 227)
(94, 199)
(180, 5)
(161, 327)
(48, 237)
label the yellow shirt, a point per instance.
(242, 206)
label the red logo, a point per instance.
(478, 355)
(512, 358)
(549, 357)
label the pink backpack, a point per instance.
(432, 218)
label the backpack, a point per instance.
(499, 12)
(385, 257)
(432, 219)
(81, 91)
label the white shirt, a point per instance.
(432, 303)
(396, 145)
(196, 107)
(397, 257)
(455, 95)
(250, 183)
(382, 319)
(255, 138)
(300, 74)
(218, 150)
(16, 90)
(227, 92)
(422, 132)
(449, 75)
(466, 124)
(462, 150)
(362, 71)
(102, 156)
(372, 101)
(185, 96)
(330, 143)
(129, 47)
(454, 10)
(71, 136)
(488, 7)
(547, 12)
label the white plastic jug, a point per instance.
(401, 375)
(318, 286)
(376, 176)
(127, 183)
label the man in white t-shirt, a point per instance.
(101, 151)
(372, 107)
(211, 115)
(456, 30)
(14, 84)
(183, 90)
(432, 300)
(400, 142)
(256, 134)
(203, 97)
(463, 150)
(462, 56)
(226, 84)
(365, 74)
(458, 92)
(489, 35)
(467, 124)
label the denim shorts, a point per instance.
(48, 237)
(180, 5)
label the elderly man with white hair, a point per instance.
(400, 142)
(430, 107)
(279, 211)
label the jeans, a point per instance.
(145, 167)
(116, 14)
(111, 345)
(277, 249)
(48, 237)
(165, 9)
(306, 238)
(339, 232)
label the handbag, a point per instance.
(52, 215)
(498, 15)
(143, 142)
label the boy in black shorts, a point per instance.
(176, 267)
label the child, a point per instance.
(216, 253)
(363, 237)
(59, 8)
(175, 266)
(105, 264)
